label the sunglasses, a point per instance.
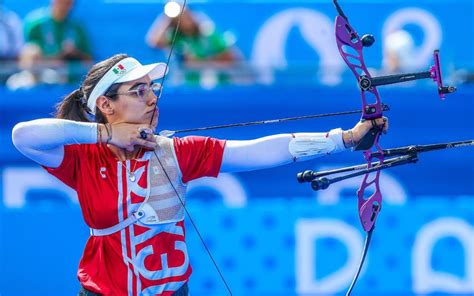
(143, 90)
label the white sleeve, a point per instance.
(43, 140)
(279, 149)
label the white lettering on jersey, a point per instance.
(102, 172)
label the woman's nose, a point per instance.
(152, 98)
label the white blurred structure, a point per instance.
(398, 49)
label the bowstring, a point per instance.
(192, 222)
(163, 168)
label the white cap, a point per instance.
(128, 69)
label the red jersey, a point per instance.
(138, 260)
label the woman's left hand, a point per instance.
(361, 129)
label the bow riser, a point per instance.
(370, 207)
(346, 37)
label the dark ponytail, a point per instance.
(74, 106)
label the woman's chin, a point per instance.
(154, 123)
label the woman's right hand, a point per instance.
(127, 135)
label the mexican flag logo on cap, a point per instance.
(119, 69)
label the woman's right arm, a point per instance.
(43, 140)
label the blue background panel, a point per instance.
(263, 247)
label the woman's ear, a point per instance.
(105, 105)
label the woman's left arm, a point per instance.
(279, 149)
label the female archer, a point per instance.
(131, 188)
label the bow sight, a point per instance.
(366, 83)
